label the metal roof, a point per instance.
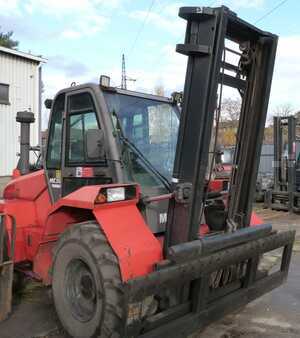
(23, 55)
(137, 94)
(117, 90)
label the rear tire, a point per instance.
(87, 286)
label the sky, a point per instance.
(82, 39)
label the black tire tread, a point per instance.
(92, 236)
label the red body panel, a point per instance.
(25, 216)
(131, 239)
(27, 199)
(227, 168)
(215, 185)
(27, 187)
(82, 198)
(42, 262)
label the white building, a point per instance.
(20, 89)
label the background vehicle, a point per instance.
(222, 169)
(285, 193)
(265, 177)
(116, 228)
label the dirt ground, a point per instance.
(275, 315)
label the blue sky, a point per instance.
(85, 38)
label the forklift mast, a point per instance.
(285, 194)
(207, 30)
(284, 173)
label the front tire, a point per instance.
(87, 286)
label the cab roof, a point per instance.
(117, 91)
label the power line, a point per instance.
(142, 27)
(271, 11)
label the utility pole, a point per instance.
(124, 80)
(124, 76)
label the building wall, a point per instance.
(23, 79)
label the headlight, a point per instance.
(108, 194)
(104, 81)
(115, 194)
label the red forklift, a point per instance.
(114, 221)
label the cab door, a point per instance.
(53, 160)
(69, 166)
(78, 168)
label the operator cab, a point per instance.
(100, 134)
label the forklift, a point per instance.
(285, 194)
(114, 221)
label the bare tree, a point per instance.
(297, 115)
(268, 135)
(230, 111)
(285, 109)
(230, 114)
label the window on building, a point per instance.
(4, 93)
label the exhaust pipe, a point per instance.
(25, 118)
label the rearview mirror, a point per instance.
(94, 144)
(48, 103)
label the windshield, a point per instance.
(151, 125)
(227, 156)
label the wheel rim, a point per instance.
(80, 290)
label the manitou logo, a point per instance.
(163, 218)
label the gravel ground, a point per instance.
(275, 315)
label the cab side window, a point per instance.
(76, 150)
(81, 118)
(55, 134)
